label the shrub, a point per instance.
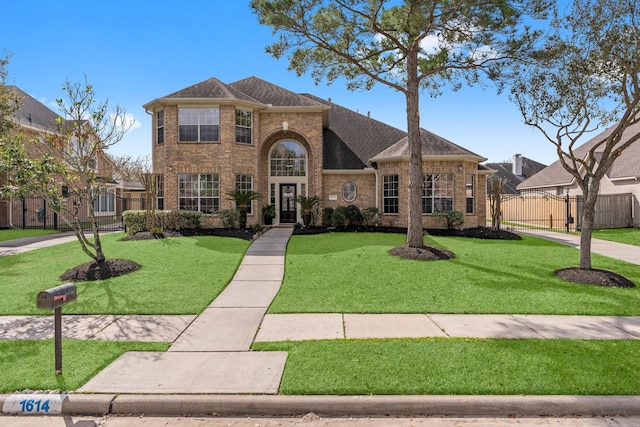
(327, 213)
(135, 221)
(450, 219)
(371, 215)
(339, 217)
(230, 218)
(354, 216)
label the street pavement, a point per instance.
(210, 353)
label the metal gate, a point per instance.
(33, 212)
(534, 209)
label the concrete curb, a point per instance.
(340, 406)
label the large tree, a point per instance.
(586, 76)
(408, 45)
(70, 157)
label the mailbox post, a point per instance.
(54, 299)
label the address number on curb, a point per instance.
(40, 404)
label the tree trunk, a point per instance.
(414, 229)
(590, 197)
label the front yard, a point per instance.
(353, 273)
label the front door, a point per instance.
(288, 213)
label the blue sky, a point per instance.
(135, 51)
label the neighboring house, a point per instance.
(212, 137)
(515, 172)
(622, 178)
(34, 120)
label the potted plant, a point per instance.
(268, 213)
(243, 198)
(307, 204)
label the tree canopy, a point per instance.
(409, 46)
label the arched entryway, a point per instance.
(288, 170)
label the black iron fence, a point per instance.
(541, 210)
(33, 212)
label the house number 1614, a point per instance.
(33, 405)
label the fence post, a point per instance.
(567, 215)
(24, 214)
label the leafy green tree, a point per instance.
(8, 101)
(41, 166)
(407, 45)
(586, 76)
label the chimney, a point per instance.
(517, 165)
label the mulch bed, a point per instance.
(99, 271)
(594, 277)
(424, 253)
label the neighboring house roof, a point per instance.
(352, 139)
(32, 113)
(626, 166)
(506, 170)
(432, 145)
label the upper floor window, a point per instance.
(437, 192)
(160, 127)
(243, 126)
(199, 124)
(288, 158)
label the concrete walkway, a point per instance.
(212, 354)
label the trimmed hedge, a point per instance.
(135, 221)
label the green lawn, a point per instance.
(353, 273)
(457, 366)
(630, 236)
(31, 364)
(178, 276)
(12, 234)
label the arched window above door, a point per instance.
(288, 158)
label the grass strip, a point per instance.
(178, 276)
(12, 234)
(354, 273)
(630, 236)
(30, 364)
(460, 366)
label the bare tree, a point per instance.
(139, 169)
(495, 187)
(70, 158)
(586, 76)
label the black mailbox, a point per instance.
(57, 297)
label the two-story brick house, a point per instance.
(212, 137)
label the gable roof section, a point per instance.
(432, 146)
(505, 170)
(33, 113)
(627, 166)
(352, 138)
(272, 95)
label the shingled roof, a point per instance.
(211, 89)
(352, 139)
(505, 170)
(432, 145)
(272, 95)
(627, 166)
(33, 113)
